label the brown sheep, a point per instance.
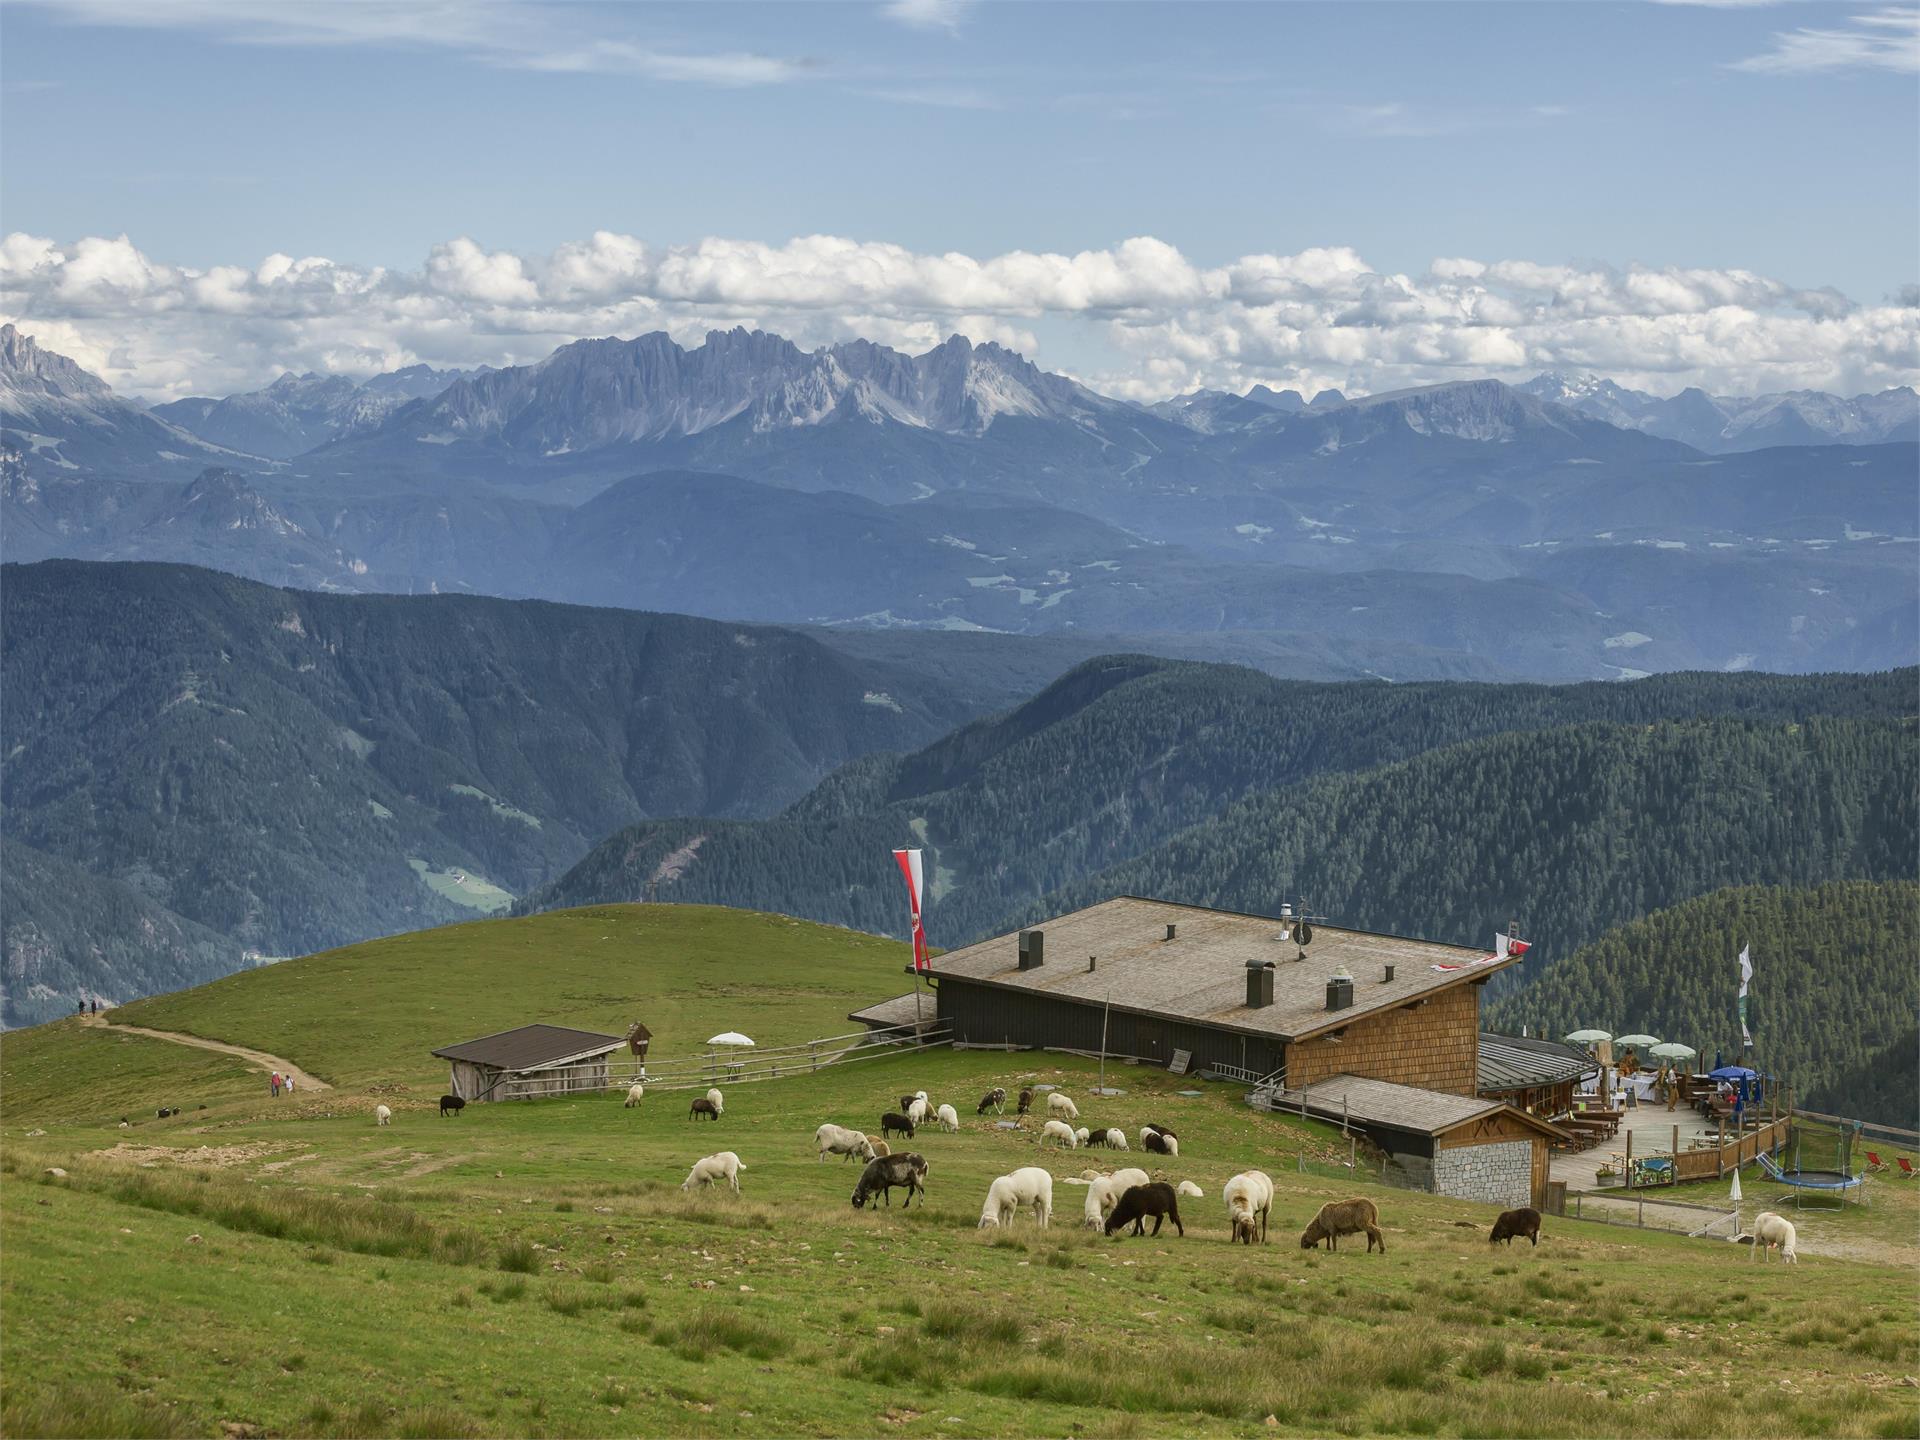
(1524, 1221)
(1344, 1217)
(1026, 1101)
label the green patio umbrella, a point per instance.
(1588, 1037)
(1636, 1039)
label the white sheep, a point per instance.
(1105, 1191)
(634, 1094)
(1061, 1131)
(949, 1119)
(713, 1099)
(1116, 1139)
(1187, 1187)
(1063, 1106)
(1249, 1197)
(1030, 1186)
(1084, 1135)
(724, 1166)
(917, 1110)
(838, 1140)
(382, 1116)
(1161, 1143)
(1770, 1230)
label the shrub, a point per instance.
(519, 1258)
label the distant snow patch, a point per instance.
(883, 700)
(1627, 640)
(1257, 532)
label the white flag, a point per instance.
(1746, 974)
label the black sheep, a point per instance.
(703, 1106)
(451, 1105)
(1140, 1201)
(1524, 1221)
(1026, 1100)
(890, 1122)
(993, 1100)
(886, 1171)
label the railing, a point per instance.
(1620, 1208)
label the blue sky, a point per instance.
(1782, 140)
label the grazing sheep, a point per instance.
(1116, 1139)
(634, 1094)
(451, 1105)
(906, 1103)
(1771, 1230)
(1187, 1187)
(1159, 1142)
(879, 1148)
(702, 1106)
(382, 1116)
(1524, 1221)
(918, 1112)
(1061, 1131)
(994, 1100)
(882, 1174)
(713, 1099)
(1083, 1135)
(838, 1140)
(1026, 1101)
(1344, 1217)
(724, 1166)
(1249, 1197)
(1063, 1106)
(1140, 1201)
(1105, 1192)
(1030, 1186)
(890, 1123)
(949, 1119)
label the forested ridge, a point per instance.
(1832, 1005)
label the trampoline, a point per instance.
(1807, 1183)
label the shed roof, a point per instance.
(1200, 975)
(900, 1010)
(1511, 1062)
(1405, 1107)
(532, 1047)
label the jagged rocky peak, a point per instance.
(27, 369)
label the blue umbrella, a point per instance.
(1732, 1072)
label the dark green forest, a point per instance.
(1835, 993)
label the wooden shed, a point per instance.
(1465, 1146)
(530, 1061)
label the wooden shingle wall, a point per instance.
(1435, 1046)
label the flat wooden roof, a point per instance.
(1200, 976)
(1405, 1107)
(532, 1047)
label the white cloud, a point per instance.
(1885, 40)
(1139, 318)
(927, 14)
(509, 34)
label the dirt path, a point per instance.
(301, 1079)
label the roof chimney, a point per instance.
(1259, 984)
(1092, 964)
(1033, 949)
(1387, 979)
(1339, 989)
(1170, 931)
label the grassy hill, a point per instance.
(287, 1267)
(1833, 999)
(1122, 753)
(294, 770)
(372, 1012)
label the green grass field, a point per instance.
(288, 1268)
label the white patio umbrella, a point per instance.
(731, 1037)
(1735, 1196)
(1589, 1037)
(1674, 1051)
(1636, 1039)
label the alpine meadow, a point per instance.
(918, 718)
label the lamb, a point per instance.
(1105, 1192)
(1187, 1187)
(1524, 1221)
(1061, 1131)
(879, 1148)
(1026, 1100)
(1156, 1141)
(917, 1111)
(1083, 1135)
(382, 1116)
(1116, 1139)
(451, 1105)
(949, 1119)
(703, 1106)
(634, 1094)
(1063, 1106)
(724, 1166)
(1140, 1201)
(1770, 1230)
(838, 1140)
(882, 1174)
(1030, 1186)
(890, 1122)
(1249, 1197)
(1344, 1217)
(994, 1100)
(713, 1099)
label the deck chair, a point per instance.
(1875, 1164)
(1907, 1172)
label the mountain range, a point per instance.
(297, 412)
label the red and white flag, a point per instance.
(1507, 947)
(909, 863)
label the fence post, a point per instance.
(1628, 1170)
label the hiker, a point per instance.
(288, 1082)
(273, 1084)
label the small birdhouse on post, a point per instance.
(638, 1038)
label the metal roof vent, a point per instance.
(1339, 989)
(1259, 984)
(1171, 930)
(1033, 949)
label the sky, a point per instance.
(197, 195)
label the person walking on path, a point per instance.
(288, 1083)
(273, 1084)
